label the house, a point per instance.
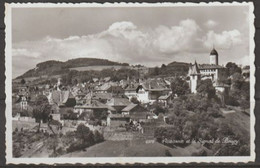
(150, 90)
(93, 106)
(107, 79)
(211, 71)
(124, 83)
(131, 108)
(61, 102)
(24, 103)
(165, 99)
(131, 90)
(117, 120)
(110, 87)
(95, 80)
(136, 112)
(118, 103)
(62, 98)
(103, 88)
(102, 97)
(246, 73)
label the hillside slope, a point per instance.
(53, 67)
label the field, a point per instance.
(134, 148)
(98, 68)
(239, 122)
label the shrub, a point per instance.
(231, 101)
(76, 146)
(167, 153)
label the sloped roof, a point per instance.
(129, 107)
(97, 96)
(118, 116)
(155, 85)
(213, 52)
(102, 96)
(132, 87)
(94, 104)
(194, 69)
(164, 97)
(138, 115)
(95, 79)
(105, 86)
(209, 66)
(107, 79)
(61, 97)
(117, 101)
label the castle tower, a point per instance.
(194, 77)
(213, 57)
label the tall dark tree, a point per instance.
(156, 71)
(232, 68)
(205, 87)
(85, 135)
(163, 66)
(41, 110)
(179, 87)
(23, 81)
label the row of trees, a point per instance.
(74, 77)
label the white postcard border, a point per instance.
(121, 160)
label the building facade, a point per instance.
(211, 71)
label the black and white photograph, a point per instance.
(130, 82)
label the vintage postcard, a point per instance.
(129, 83)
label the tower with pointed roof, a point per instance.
(213, 57)
(195, 75)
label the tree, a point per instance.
(158, 109)
(240, 91)
(205, 87)
(163, 66)
(23, 81)
(41, 110)
(244, 104)
(75, 82)
(85, 135)
(232, 68)
(156, 71)
(98, 137)
(134, 100)
(179, 87)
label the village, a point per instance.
(132, 109)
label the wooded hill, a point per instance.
(53, 67)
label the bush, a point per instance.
(76, 146)
(231, 101)
(167, 153)
(98, 137)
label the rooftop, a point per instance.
(117, 101)
(209, 66)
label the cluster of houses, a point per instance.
(117, 103)
(113, 99)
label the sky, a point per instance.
(150, 36)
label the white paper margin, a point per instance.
(122, 160)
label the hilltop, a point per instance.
(84, 69)
(53, 67)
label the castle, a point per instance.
(211, 71)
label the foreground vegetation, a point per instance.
(28, 143)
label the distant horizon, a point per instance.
(149, 36)
(240, 65)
